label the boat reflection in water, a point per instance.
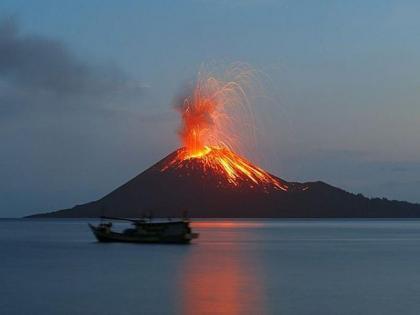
(221, 275)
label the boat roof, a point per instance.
(147, 220)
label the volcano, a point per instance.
(208, 179)
(218, 183)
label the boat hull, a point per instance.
(110, 236)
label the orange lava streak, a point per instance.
(235, 168)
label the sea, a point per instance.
(235, 267)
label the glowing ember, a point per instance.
(209, 120)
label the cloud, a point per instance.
(70, 128)
(39, 73)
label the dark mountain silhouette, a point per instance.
(205, 193)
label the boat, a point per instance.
(145, 231)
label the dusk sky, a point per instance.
(87, 91)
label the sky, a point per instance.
(87, 91)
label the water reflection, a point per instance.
(221, 275)
(227, 224)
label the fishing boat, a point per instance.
(145, 231)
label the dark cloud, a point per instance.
(70, 128)
(42, 73)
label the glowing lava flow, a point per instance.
(234, 168)
(210, 116)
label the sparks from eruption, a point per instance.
(211, 116)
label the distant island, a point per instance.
(172, 186)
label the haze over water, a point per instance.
(235, 267)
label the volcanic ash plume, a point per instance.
(212, 116)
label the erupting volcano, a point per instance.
(209, 179)
(210, 116)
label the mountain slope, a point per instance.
(173, 185)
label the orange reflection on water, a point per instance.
(219, 279)
(226, 224)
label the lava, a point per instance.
(211, 116)
(234, 168)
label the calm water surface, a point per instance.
(235, 267)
